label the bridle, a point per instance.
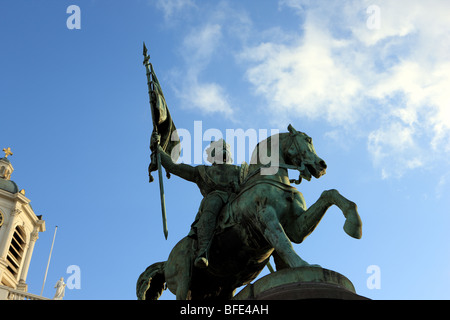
(294, 142)
(283, 165)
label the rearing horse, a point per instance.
(262, 219)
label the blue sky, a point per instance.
(368, 80)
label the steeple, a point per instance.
(19, 230)
(6, 168)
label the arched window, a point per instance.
(2, 220)
(15, 251)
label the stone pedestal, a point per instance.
(300, 283)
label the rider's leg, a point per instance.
(205, 229)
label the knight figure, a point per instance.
(216, 183)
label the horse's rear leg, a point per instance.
(183, 292)
(274, 233)
(178, 269)
(178, 278)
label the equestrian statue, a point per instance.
(262, 219)
(248, 213)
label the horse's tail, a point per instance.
(150, 284)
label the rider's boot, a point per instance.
(205, 232)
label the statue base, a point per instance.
(300, 283)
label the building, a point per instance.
(19, 230)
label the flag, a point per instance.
(163, 120)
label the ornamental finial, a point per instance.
(7, 152)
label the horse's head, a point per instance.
(299, 151)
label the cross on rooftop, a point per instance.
(7, 152)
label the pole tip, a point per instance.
(144, 49)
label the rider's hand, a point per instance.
(235, 186)
(154, 141)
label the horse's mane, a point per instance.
(266, 143)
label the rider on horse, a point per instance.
(216, 183)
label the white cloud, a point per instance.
(200, 43)
(421, 77)
(395, 78)
(303, 77)
(441, 186)
(209, 98)
(392, 82)
(394, 149)
(396, 19)
(199, 47)
(212, 28)
(171, 7)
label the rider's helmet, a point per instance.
(219, 152)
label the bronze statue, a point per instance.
(248, 213)
(258, 221)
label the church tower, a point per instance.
(19, 230)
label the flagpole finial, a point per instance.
(146, 56)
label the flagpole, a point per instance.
(48, 263)
(158, 156)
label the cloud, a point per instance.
(420, 42)
(391, 81)
(443, 182)
(394, 149)
(172, 7)
(206, 97)
(303, 77)
(202, 43)
(199, 47)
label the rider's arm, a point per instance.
(182, 170)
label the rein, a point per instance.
(258, 170)
(278, 184)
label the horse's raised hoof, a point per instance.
(353, 223)
(353, 229)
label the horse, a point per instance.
(263, 219)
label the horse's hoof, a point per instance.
(353, 229)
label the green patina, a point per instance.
(258, 216)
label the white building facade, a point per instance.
(19, 230)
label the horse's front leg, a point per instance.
(353, 223)
(309, 219)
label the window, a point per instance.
(2, 219)
(15, 252)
